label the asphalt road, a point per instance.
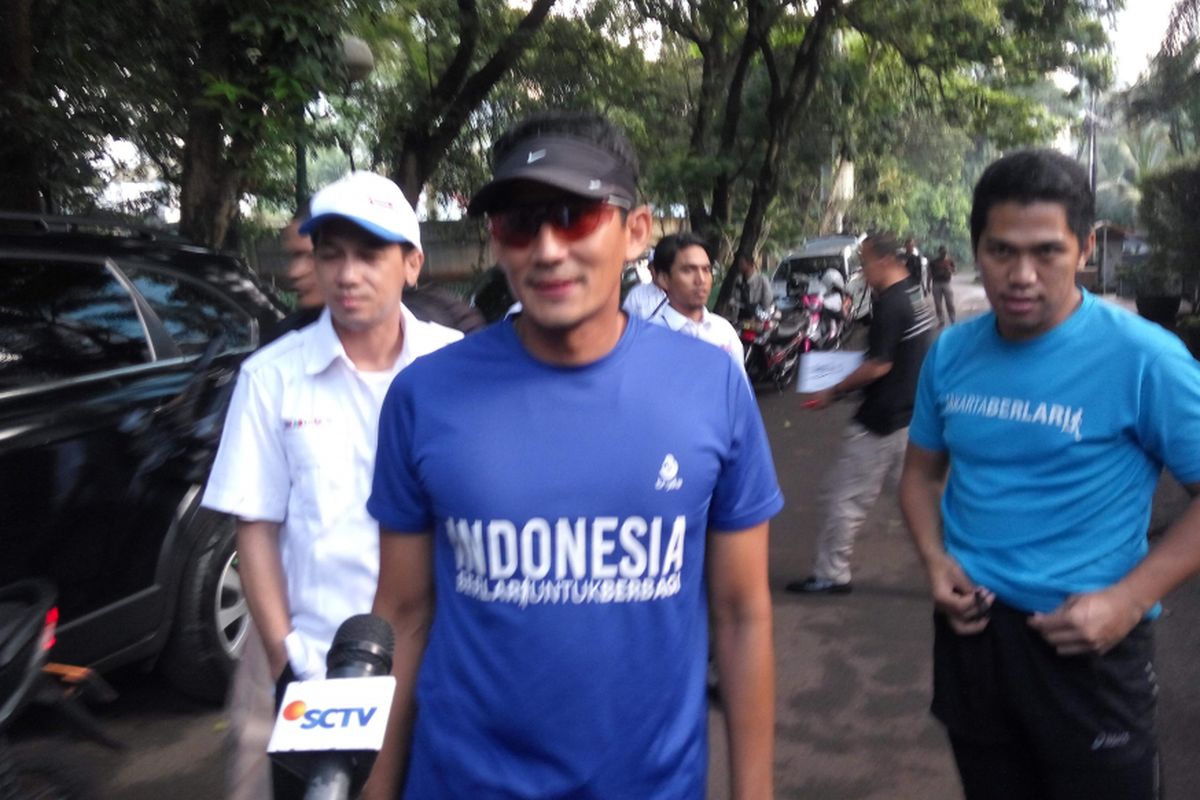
(853, 671)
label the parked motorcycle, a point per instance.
(774, 341)
(771, 345)
(40, 769)
(825, 328)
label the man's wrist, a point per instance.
(932, 557)
(1138, 605)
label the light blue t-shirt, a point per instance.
(1056, 445)
(570, 507)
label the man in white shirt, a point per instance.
(645, 299)
(298, 450)
(683, 268)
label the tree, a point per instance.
(712, 28)
(1126, 155)
(210, 91)
(585, 61)
(251, 68)
(1183, 26)
(959, 60)
(1170, 91)
(20, 188)
(59, 68)
(1168, 211)
(430, 106)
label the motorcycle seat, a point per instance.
(789, 326)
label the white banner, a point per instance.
(820, 369)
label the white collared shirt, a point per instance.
(298, 448)
(644, 300)
(711, 328)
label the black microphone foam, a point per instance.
(362, 647)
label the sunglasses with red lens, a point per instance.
(572, 220)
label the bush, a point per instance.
(1169, 210)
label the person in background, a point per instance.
(941, 270)
(300, 275)
(682, 266)
(301, 271)
(645, 299)
(918, 266)
(1037, 441)
(752, 292)
(874, 440)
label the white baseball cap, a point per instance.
(370, 201)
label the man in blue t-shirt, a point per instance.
(1047, 422)
(576, 488)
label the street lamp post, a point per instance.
(358, 62)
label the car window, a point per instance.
(63, 320)
(191, 312)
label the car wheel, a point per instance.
(211, 617)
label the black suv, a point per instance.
(119, 347)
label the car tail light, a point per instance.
(49, 627)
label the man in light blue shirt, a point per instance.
(1047, 422)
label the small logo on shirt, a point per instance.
(668, 475)
(593, 185)
(293, 424)
(536, 155)
(1108, 740)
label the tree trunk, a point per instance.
(438, 120)
(758, 26)
(841, 193)
(214, 161)
(209, 188)
(20, 189)
(712, 65)
(785, 104)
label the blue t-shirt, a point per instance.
(1056, 445)
(569, 507)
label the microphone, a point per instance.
(362, 648)
(330, 731)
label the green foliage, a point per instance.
(1170, 93)
(1169, 210)
(916, 93)
(1126, 152)
(57, 121)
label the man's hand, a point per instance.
(1090, 623)
(820, 399)
(966, 606)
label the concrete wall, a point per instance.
(454, 251)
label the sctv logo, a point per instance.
(327, 717)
